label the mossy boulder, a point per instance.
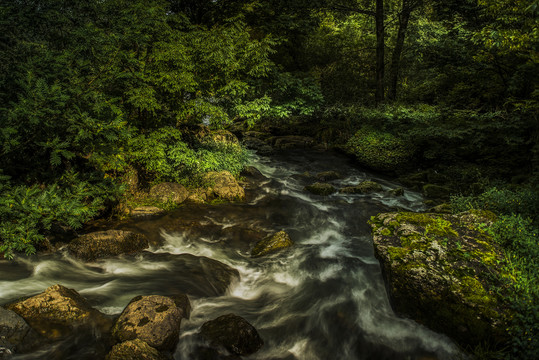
(323, 189)
(365, 187)
(169, 192)
(134, 349)
(275, 242)
(233, 333)
(328, 176)
(58, 311)
(223, 185)
(101, 244)
(153, 319)
(443, 270)
(379, 150)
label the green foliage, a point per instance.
(163, 156)
(379, 150)
(27, 213)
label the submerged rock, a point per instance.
(365, 187)
(134, 349)
(17, 335)
(323, 189)
(396, 192)
(275, 242)
(441, 271)
(223, 185)
(58, 311)
(169, 191)
(328, 176)
(107, 243)
(233, 333)
(153, 319)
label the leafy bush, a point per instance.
(27, 213)
(379, 150)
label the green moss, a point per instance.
(386, 232)
(397, 253)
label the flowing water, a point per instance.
(323, 298)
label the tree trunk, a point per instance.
(380, 47)
(397, 52)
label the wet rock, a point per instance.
(442, 208)
(58, 311)
(146, 211)
(168, 191)
(436, 191)
(233, 333)
(292, 142)
(365, 187)
(17, 335)
(396, 192)
(323, 189)
(252, 172)
(107, 243)
(260, 146)
(328, 176)
(153, 319)
(440, 271)
(277, 241)
(223, 185)
(134, 349)
(6, 352)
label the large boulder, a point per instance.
(134, 349)
(233, 333)
(323, 189)
(169, 192)
(58, 311)
(101, 244)
(223, 185)
(275, 242)
(153, 319)
(16, 333)
(365, 187)
(441, 270)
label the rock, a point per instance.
(168, 191)
(222, 137)
(146, 211)
(380, 150)
(6, 352)
(277, 241)
(153, 319)
(328, 176)
(260, 146)
(252, 172)
(223, 185)
(292, 142)
(365, 187)
(396, 192)
(107, 243)
(442, 208)
(57, 311)
(17, 334)
(441, 271)
(233, 333)
(436, 191)
(318, 188)
(134, 349)
(415, 180)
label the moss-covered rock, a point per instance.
(223, 185)
(275, 242)
(365, 187)
(379, 150)
(442, 270)
(328, 176)
(134, 349)
(323, 189)
(437, 191)
(101, 244)
(168, 191)
(57, 311)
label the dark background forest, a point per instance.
(92, 90)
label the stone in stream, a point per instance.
(443, 270)
(169, 191)
(323, 189)
(365, 187)
(16, 334)
(134, 349)
(108, 243)
(224, 186)
(58, 311)
(233, 333)
(275, 242)
(153, 319)
(146, 211)
(328, 176)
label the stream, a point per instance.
(323, 298)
